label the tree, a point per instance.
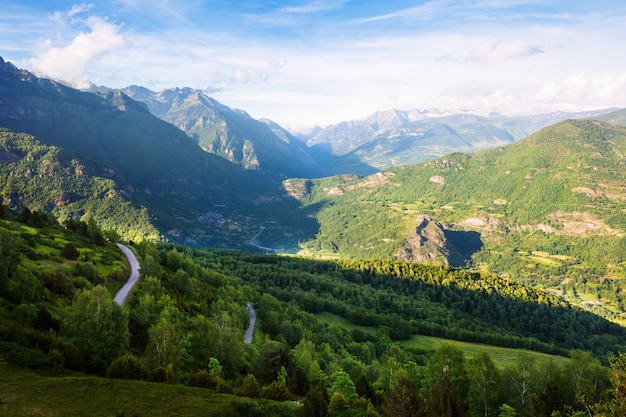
(586, 378)
(448, 361)
(250, 387)
(549, 401)
(97, 326)
(523, 380)
(9, 258)
(215, 369)
(403, 398)
(343, 384)
(484, 379)
(273, 356)
(506, 411)
(615, 407)
(338, 405)
(446, 400)
(316, 401)
(165, 345)
(70, 252)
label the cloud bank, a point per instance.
(307, 62)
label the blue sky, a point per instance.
(308, 62)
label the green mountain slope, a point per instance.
(549, 209)
(617, 117)
(40, 176)
(190, 195)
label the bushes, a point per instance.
(70, 252)
(127, 367)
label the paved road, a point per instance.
(248, 337)
(259, 246)
(122, 294)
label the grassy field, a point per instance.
(501, 355)
(27, 393)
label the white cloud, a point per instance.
(77, 9)
(584, 89)
(499, 51)
(69, 62)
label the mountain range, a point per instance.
(546, 209)
(232, 134)
(395, 137)
(382, 140)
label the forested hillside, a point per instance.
(185, 321)
(549, 210)
(36, 175)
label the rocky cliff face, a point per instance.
(433, 243)
(426, 245)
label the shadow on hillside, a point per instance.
(461, 246)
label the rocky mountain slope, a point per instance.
(234, 135)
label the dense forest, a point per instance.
(185, 321)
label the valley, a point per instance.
(386, 263)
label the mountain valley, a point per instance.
(404, 271)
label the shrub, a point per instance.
(201, 379)
(250, 387)
(127, 367)
(70, 252)
(276, 391)
(222, 386)
(157, 375)
(73, 359)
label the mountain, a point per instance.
(617, 117)
(395, 137)
(233, 134)
(190, 195)
(547, 210)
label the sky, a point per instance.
(302, 63)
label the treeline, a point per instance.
(411, 299)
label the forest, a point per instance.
(184, 323)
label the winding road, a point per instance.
(259, 246)
(122, 294)
(248, 337)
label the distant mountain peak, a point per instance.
(230, 133)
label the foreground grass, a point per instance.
(502, 356)
(27, 393)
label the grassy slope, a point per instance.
(502, 356)
(27, 393)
